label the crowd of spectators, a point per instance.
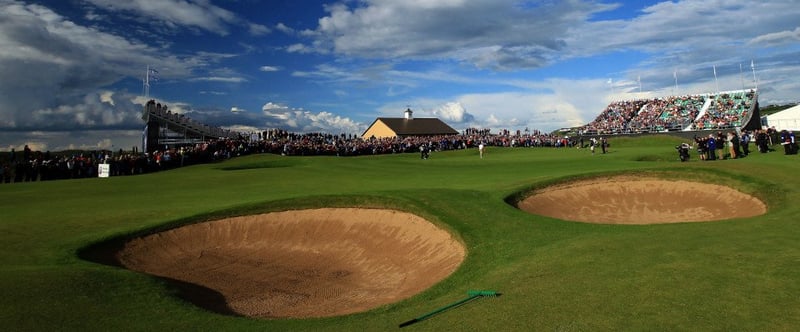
(32, 166)
(615, 117)
(279, 142)
(672, 113)
(724, 111)
(35, 165)
(734, 144)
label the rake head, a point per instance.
(483, 293)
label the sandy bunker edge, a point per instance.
(300, 263)
(640, 200)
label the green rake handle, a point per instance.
(471, 296)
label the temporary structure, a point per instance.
(788, 119)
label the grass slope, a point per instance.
(554, 275)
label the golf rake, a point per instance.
(471, 295)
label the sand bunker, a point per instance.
(625, 200)
(305, 263)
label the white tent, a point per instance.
(788, 119)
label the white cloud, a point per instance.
(191, 13)
(107, 97)
(299, 48)
(269, 68)
(284, 28)
(777, 38)
(487, 33)
(258, 29)
(689, 32)
(302, 121)
(509, 34)
(61, 70)
(453, 112)
(273, 106)
(95, 111)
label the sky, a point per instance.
(72, 71)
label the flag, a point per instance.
(675, 74)
(610, 81)
(752, 65)
(152, 74)
(715, 70)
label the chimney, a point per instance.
(408, 114)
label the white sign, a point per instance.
(103, 170)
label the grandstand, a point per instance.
(165, 129)
(710, 111)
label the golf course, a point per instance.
(420, 234)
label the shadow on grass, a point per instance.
(105, 253)
(262, 165)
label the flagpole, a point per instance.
(639, 79)
(741, 75)
(715, 78)
(675, 75)
(611, 83)
(147, 83)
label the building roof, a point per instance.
(416, 126)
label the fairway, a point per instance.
(734, 274)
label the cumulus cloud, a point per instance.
(270, 106)
(536, 109)
(453, 112)
(509, 34)
(488, 33)
(59, 70)
(302, 121)
(95, 111)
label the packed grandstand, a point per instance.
(712, 111)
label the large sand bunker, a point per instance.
(304, 263)
(625, 200)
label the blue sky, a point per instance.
(72, 70)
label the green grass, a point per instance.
(741, 274)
